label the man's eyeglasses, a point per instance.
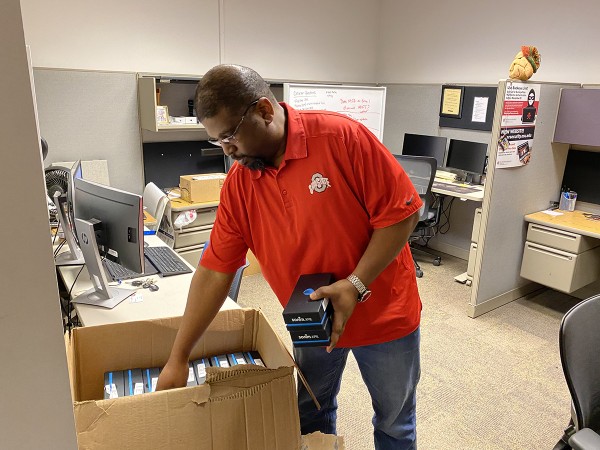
(231, 137)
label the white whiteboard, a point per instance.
(366, 104)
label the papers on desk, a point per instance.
(551, 212)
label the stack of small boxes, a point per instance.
(309, 321)
(123, 383)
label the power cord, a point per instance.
(444, 227)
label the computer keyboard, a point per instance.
(118, 272)
(166, 261)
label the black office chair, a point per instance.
(234, 290)
(421, 171)
(579, 341)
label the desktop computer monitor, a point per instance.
(468, 157)
(422, 145)
(109, 223)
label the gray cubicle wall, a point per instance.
(414, 108)
(510, 194)
(92, 115)
(410, 108)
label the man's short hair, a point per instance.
(229, 86)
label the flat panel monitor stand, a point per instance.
(108, 221)
(101, 294)
(74, 256)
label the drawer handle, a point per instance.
(554, 231)
(540, 250)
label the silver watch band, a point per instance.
(359, 285)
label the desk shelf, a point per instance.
(174, 95)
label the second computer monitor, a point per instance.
(467, 156)
(121, 215)
(423, 145)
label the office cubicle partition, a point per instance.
(91, 115)
(510, 194)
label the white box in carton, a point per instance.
(202, 187)
(249, 407)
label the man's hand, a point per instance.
(173, 375)
(342, 294)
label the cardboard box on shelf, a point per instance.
(202, 187)
(243, 407)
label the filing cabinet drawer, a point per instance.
(191, 237)
(206, 216)
(560, 239)
(558, 269)
(471, 262)
(476, 226)
(191, 254)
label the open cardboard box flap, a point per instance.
(241, 407)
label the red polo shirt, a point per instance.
(316, 213)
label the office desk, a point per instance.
(464, 192)
(168, 301)
(573, 221)
(561, 251)
(149, 220)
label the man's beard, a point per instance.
(257, 164)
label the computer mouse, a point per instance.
(153, 287)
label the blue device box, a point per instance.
(309, 322)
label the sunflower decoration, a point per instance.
(525, 64)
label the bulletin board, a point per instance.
(477, 108)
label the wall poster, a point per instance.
(519, 112)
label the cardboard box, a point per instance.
(243, 407)
(320, 441)
(201, 188)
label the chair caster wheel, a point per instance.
(437, 261)
(419, 273)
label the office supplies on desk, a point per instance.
(567, 200)
(454, 187)
(445, 175)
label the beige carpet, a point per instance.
(494, 382)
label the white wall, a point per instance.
(318, 40)
(179, 36)
(332, 40)
(35, 407)
(472, 41)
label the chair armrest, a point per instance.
(585, 439)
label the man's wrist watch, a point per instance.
(363, 292)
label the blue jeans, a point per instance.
(390, 371)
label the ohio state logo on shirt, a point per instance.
(318, 183)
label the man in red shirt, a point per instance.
(314, 191)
